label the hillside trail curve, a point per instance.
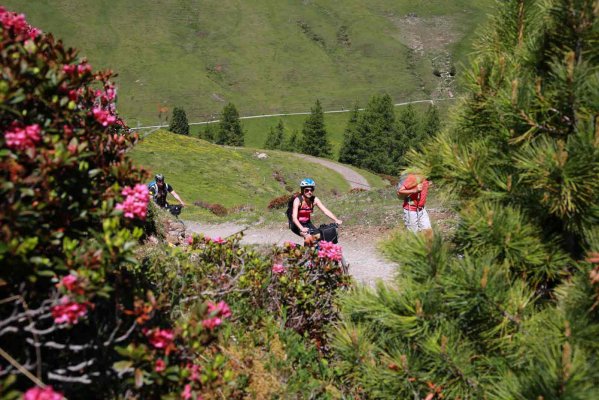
(355, 180)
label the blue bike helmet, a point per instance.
(307, 182)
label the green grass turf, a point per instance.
(198, 54)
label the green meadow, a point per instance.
(265, 56)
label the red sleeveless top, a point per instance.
(304, 211)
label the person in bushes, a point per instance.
(413, 189)
(303, 206)
(159, 189)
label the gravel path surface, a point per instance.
(352, 177)
(366, 264)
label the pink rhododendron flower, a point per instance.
(104, 117)
(136, 201)
(22, 138)
(221, 309)
(195, 371)
(68, 312)
(17, 22)
(189, 240)
(71, 283)
(330, 251)
(47, 393)
(219, 240)
(160, 338)
(160, 365)
(186, 393)
(278, 269)
(217, 313)
(211, 323)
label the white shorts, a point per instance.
(416, 221)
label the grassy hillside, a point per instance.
(265, 55)
(232, 177)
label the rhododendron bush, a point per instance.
(80, 316)
(70, 214)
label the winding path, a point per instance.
(352, 177)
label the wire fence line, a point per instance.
(156, 127)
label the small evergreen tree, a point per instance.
(408, 134)
(292, 143)
(275, 138)
(314, 134)
(208, 133)
(230, 131)
(179, 122)
(431, 123)
(377, 130)
(351, 148)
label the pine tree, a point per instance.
(509, 309)
(179, 122)
(292, 143)
(275, 138)
(431, 123)
(208, 133)
(230, 131)
(376, 132)
(314, 134)
(351, 148)
(408, 134)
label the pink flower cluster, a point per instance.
(18, 23)
(136, 201)
(71, 283)
(80, 68)
(22, 138)
(68, 311)
(278, 269)
(186, 393)
(160, 365)
(217, 313)
(47, 393)
(104, 117)
(217, 240)
(330, 251)
(160, 338)
(290, 245)
(108, 94)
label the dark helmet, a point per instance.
(159, 178)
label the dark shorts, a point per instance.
(307, 224)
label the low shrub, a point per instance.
(216, 209)
(279, 202)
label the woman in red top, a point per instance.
(303, 206)
(414, 190)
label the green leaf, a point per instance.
(121, 366)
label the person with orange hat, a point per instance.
(413, 188)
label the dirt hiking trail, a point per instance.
(366, 264)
